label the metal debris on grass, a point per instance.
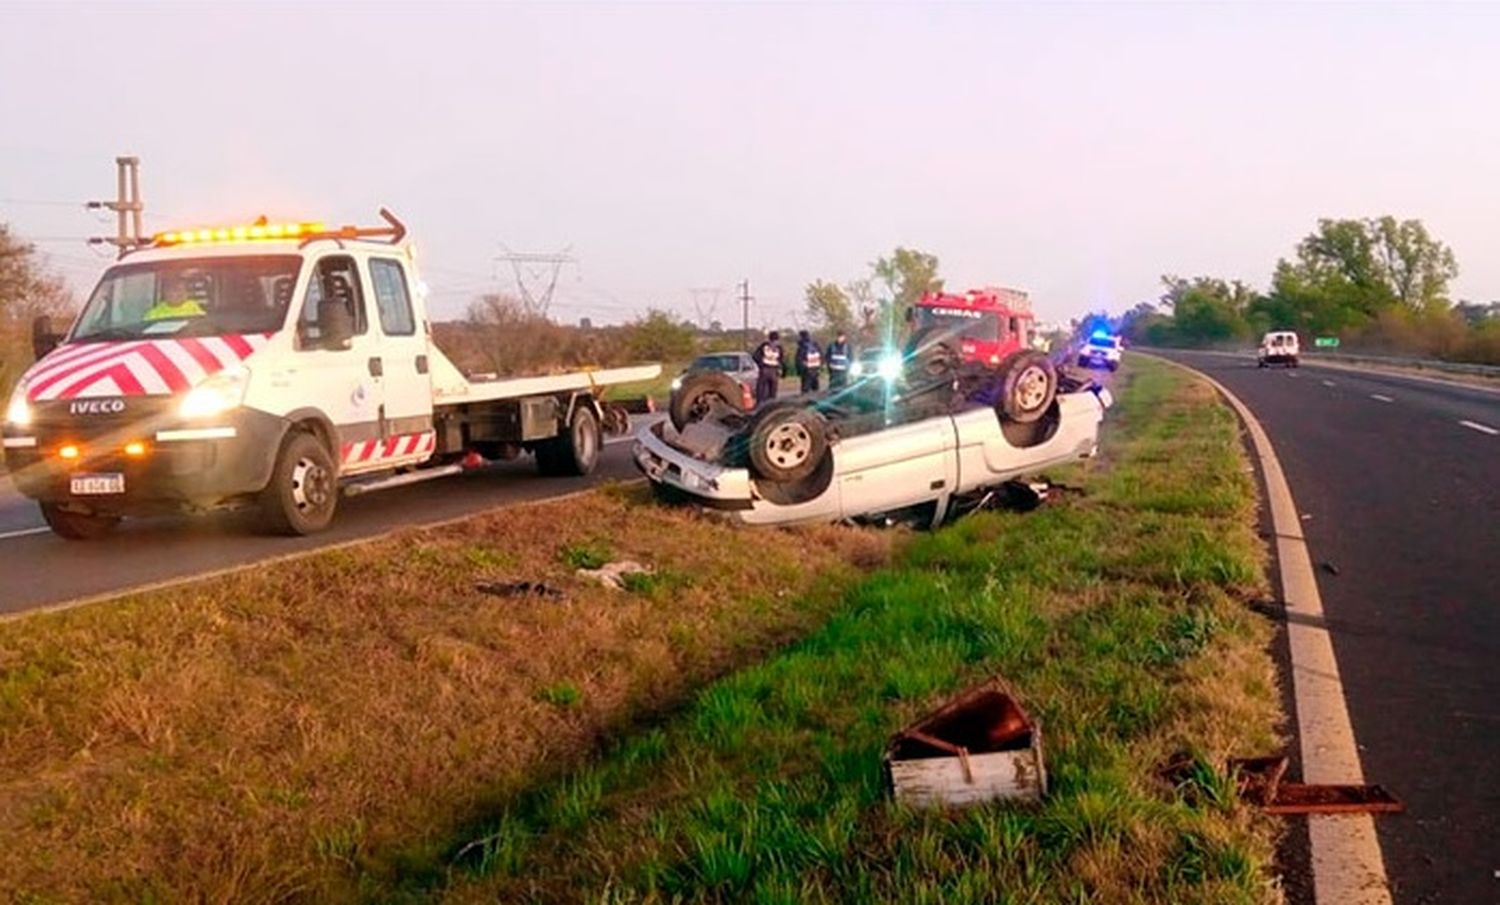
(518, 589)
(1259, 780)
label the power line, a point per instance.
(35, 202)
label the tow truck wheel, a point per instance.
(576, 451)
(77, 525)
(787, 444)
(1029, 383)
(304, 491)
(699, 393)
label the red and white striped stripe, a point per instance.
(150, 367)
(400, 446)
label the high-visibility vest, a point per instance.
(770, 355)
(838, 357)
(165, 310)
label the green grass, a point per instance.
(1117, 614)
(658, 388)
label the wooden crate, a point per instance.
(981, 746)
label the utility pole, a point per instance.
(745, 302)
(128, 207)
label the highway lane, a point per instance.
(1398, 483)
(38, 568)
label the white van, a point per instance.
(1279, 347)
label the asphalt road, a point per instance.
(39, 568)
(1398, 484)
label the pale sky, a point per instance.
(1076, 151)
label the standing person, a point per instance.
(809, 361)
(840, 356)
(769, 357)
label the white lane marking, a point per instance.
(1482, 428)
(1328, 383)
(1346, 861)
(24, 532)
(1380, 398)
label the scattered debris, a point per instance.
(518, 589)
(611, 574)
(1330, 568)
(1259, 781)
(978, 747)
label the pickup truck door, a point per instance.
(339, 382)
(407, 433)
(896, 467)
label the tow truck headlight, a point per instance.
(890, 367)
(18, 413)
(216, 395)
(857, 369)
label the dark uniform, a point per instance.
(840, 356)
(771, 359)
(809, 362)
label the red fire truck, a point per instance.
(989, 323)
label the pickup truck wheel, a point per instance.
(787, 444)
(700, 393)
(1029, 384)
(576, 451)
(304, 491)
(77, 525)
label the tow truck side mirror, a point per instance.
(335, 324)
(43, 339)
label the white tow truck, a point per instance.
(274, 365)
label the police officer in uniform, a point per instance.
(840, 356)
(771, 360)
(809, 361)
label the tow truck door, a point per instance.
(341, 383)
(403, 360)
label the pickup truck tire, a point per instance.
(698, 395)
(787, 443)
(1028, 386)
(304, 490)
(77, 525)
(576, 450)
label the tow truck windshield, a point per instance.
(190, 297)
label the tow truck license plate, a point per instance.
(95, 484)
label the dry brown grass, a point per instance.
(276, 733)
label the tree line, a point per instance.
(1377, 284)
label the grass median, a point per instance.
(1118, 613)
(366, 723)
(327, 727)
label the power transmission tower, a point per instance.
(745, 303)
(705, 303)
(128, 207)
(542, 269)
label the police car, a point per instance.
(1101, 350)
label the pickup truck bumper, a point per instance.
(980, 457)
(177, 466)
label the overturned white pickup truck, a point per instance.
(922, 442)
